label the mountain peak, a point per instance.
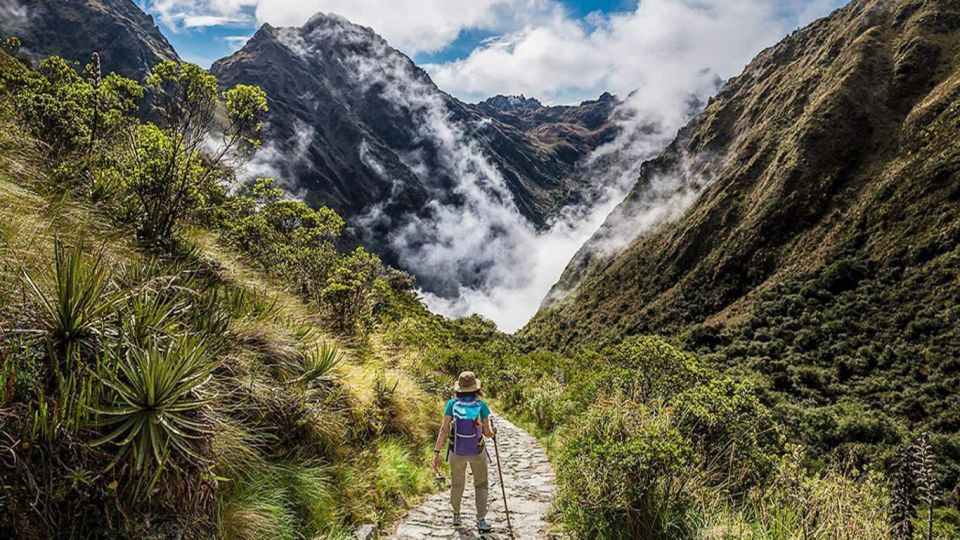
(607, 96)
(512, 103)
(330, 28)
(362, 129)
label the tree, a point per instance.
(286, 237)
(346, 295)
(11, 45)
(181, 157)
(78, 115)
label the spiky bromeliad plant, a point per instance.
(157, 395)
(80, 298)
(319, 364)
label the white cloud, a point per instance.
(236, 42)
(541, 49)
(413, 26)
(660, 47)
(486, 256)
(180, 14)
(201, 21)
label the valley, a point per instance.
(233, 301)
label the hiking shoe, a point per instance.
(483, 526)
(456, 520)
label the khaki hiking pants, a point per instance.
(458, 477)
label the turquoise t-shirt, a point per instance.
(484, 410)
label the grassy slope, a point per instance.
(287, 461)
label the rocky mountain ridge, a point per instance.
(357, 126)
(125, 37)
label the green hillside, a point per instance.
(157, 380)
(823, 252)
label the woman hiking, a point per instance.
(466, 420)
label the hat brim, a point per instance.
(474, 388)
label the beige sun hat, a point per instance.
(467, 382)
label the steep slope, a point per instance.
(818, 222)
(270, 399)
(362, 129)
(126, 38)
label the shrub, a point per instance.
(78, 115)
(648, 368)
(731, 429)
(346, 296)
(546, 404)
(171, 171)
(623, 472)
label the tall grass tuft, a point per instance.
(397, 475)
(311, 494)
(796, 503)
(257, 508)
(286, 499)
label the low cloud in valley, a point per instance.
(664, 58)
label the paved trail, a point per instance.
(529, 480)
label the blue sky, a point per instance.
(205, 44)
(557, 50)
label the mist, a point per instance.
(481, 254)
(278, 158)
(471, 248)
(668, 58)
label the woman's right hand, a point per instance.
(436, 461)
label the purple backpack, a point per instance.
(467, 434)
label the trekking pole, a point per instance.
(503, 489)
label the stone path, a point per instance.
(529, 481)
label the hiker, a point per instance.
(466, 420)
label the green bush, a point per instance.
(296, 243)
(732, 431)
(77, 114)
(624, 471)
(648, 368)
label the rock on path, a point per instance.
(529, 483)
